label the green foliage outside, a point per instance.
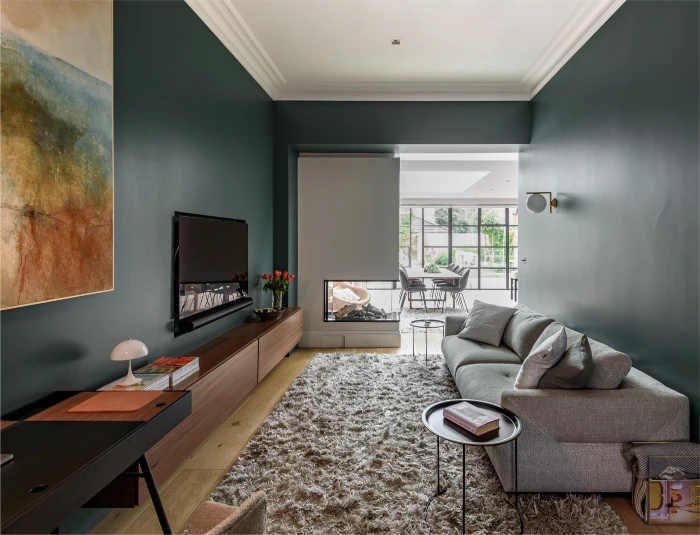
(441, 260)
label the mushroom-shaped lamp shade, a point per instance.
(128, 350)
(536, 203)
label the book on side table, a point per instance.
(471, 418)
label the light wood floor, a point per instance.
(197, 478)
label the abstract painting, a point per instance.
(56, 150)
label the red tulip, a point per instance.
(288, 279)
(294, 275)
(264, 275)
(285, 274)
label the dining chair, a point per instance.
(407, 287)
(456, 290)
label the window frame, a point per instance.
(507, 247)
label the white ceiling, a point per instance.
(450, 49)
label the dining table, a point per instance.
(419, 273)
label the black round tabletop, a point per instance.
(510, 426)
(427, 324)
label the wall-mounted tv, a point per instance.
(210, 269)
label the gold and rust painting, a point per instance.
(56, 151)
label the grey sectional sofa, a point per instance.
(572, 440)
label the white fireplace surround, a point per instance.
(348, 230)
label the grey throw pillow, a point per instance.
(573, 370)
(523, 330)
(486, 323)
(541, 358)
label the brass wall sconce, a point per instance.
(536, 203)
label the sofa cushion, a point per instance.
(523, 330)
(610, 366)
(486, 323)
(486, 381)
(574, 369)
(459, 352)
(542, 357)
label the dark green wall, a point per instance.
(370, 127)
(192, 132)
(615, 135)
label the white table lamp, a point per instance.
(128, 350)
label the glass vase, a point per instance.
(277, 300)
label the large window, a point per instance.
(484, 239)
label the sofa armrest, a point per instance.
(453, 324)
(641, 409)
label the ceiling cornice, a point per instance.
(404, 91)
(228, 25)
(222, 18)
(578, 27)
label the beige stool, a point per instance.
(213, 518)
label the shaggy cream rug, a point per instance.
(345, 452)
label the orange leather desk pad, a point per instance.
(4, 424)
(115, 402)
(138, 410)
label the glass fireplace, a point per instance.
(361, 301)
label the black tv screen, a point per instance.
(211, 262)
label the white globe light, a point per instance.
(536, 203)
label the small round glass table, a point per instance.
(509, 430)
(427, 325)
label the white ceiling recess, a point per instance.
(467, 179)
(450, 49)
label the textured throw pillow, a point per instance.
(541, 359)
(610, 367)
(486, 323)
(523, 330)
(573, 370)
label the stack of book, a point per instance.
(471, 418)
(149, 381)
(177, 368)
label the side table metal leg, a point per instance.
(426, 347)
(522, 527)
(464, 488)
(438, 464)
(155, 497)
(414, 341)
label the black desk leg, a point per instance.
(155, 497)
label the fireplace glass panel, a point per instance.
(359, 301)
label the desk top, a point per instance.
(418, 273)
(59, 463)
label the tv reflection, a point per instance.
(196, 298)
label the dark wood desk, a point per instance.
(62, 460)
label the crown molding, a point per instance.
(222, 18)
(578, 27)
(404, 92)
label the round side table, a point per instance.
(427, 325)
(510, 429)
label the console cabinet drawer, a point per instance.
(275, 344)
